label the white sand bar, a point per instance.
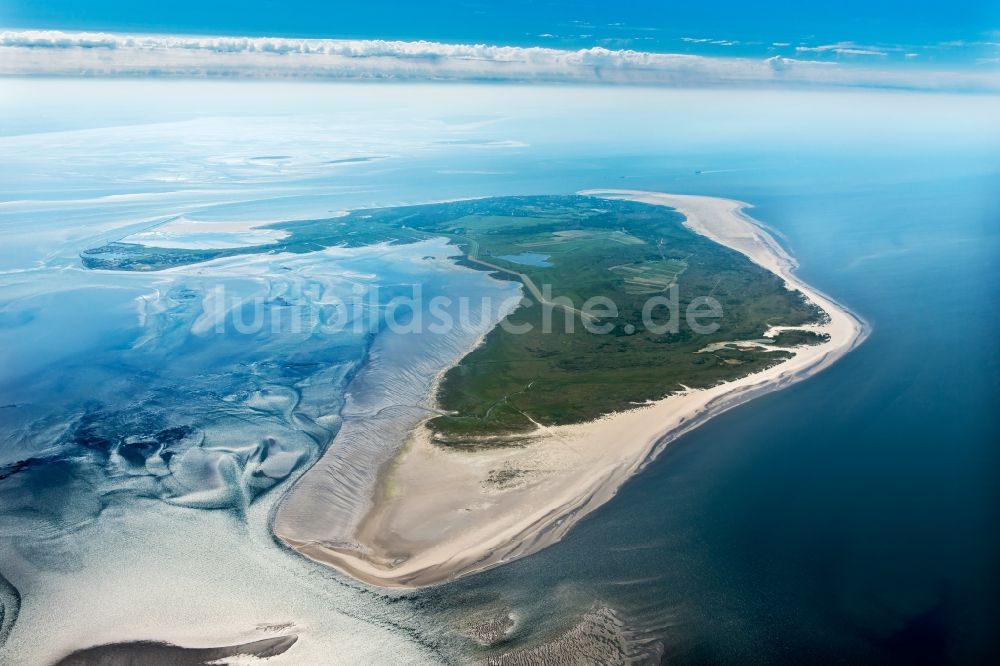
(184, 233)
(440, 513)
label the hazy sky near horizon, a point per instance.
(961, 32)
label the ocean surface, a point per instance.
(150, 423)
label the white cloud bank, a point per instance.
(844, 48)
(57, 53)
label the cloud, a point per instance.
(843, 48)
(57, 53)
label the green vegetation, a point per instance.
(625, 251)
(796, 338)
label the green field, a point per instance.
(625, 251)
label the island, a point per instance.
(642, 315)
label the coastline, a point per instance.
(479, 509)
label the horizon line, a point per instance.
(58, 53)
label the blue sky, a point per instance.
(957, 32)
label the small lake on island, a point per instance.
(528, 259)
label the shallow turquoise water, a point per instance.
(850, 518)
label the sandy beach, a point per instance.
(439, 513)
